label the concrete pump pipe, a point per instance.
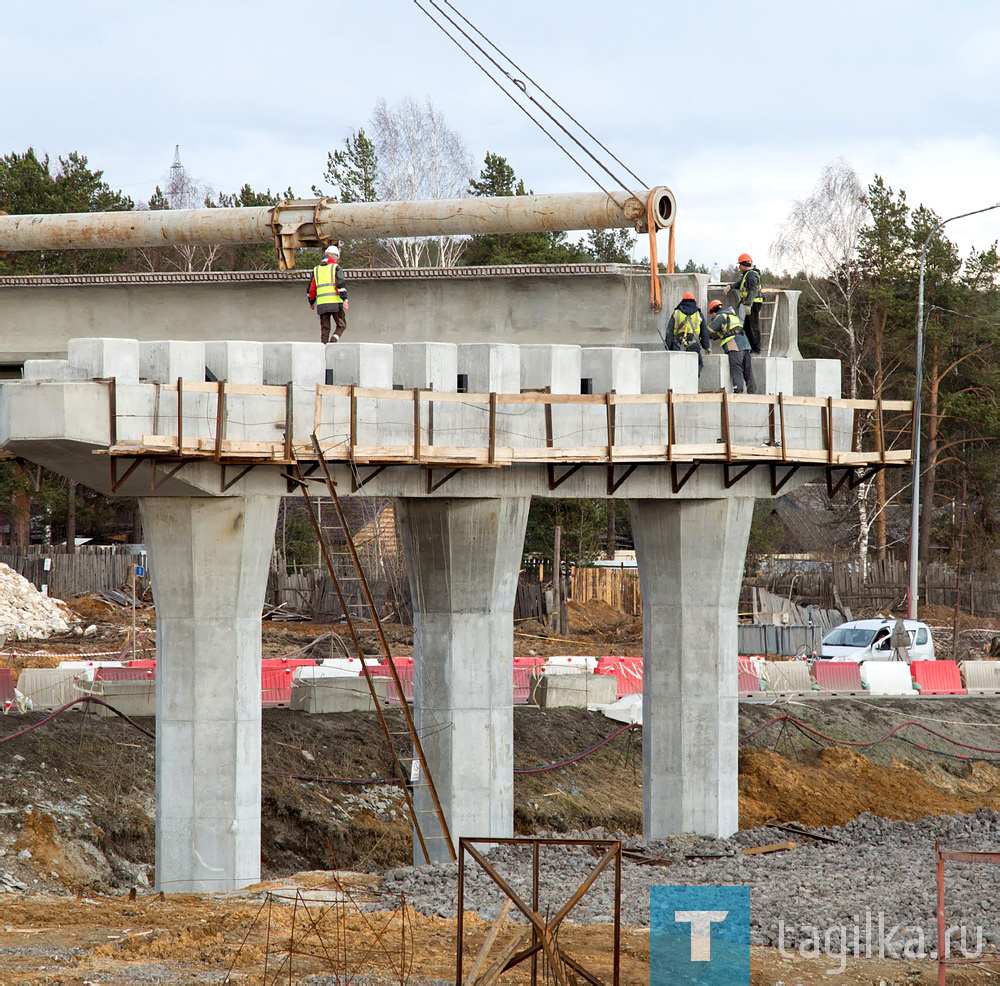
(318, 222)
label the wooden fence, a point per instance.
(89, 569)
(616, 587)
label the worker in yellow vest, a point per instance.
(728, 329)
(328, 294)
(687, 330)
(751, 300)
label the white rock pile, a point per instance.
(25, 614)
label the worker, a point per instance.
(687, 330)
(328, 290)
(751, 300)
(728, 329)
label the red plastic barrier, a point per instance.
(838, 676)
(276, 686)
(125, 674)
(141, 664)
(403, 671)
(523, 677)
(276, 663)
(748, 683)
(937, 677)
(628, 671)
(6, 688)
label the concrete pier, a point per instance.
(464, 556)
(208, 560)
(691, 555)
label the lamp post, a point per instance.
(918, 386)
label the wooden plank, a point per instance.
(239, 389)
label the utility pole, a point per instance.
(958, 574)
(557, 580)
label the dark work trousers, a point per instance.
(741, 372)
(339, 319)
(751, 325)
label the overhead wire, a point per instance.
(547, 95)
(520, 85)
(509, 95)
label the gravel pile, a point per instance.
(25, 614)
(880, 874)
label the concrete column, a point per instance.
(464, 556)
(691, 555)
(208, 561)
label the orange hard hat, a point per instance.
(745, 258)
(714, 306)
(687, 296)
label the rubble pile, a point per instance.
(25, 614)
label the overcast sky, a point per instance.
(736, 107)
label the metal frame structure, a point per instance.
(992, 962)
(541, 937)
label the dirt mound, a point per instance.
(840, 784)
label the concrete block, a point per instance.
(816, 377)
(364, 364)
(612, 368)
(101, 357)
(52, 369)
(575, 690)
(489, 368)
(773, 374)
(492, 367)
(337, 694)
(715, 375)
(236, 361)
(555, 367)
(166, 360)
(558, 368)
(361, 364)
(429, 366)
(663, 371)
(303, 363)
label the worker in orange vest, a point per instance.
(328, 291)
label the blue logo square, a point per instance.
(699, 935)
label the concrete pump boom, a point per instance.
(317, 222)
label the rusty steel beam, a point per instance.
(298, 223)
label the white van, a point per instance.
(871, 640)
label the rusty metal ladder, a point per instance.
(419, 776)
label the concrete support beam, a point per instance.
(690, 555)
(106, 358)
(208, 560)
(464, 556)
(163, 361)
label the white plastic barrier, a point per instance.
(352, 664)
(887, 677)
(49, 688)
(310, 672)
(981, 676)
(787, 676)
(566, 664)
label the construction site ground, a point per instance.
(77, 802)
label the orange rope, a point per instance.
(670, 249)
(655, 303)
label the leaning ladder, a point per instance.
(419, 776)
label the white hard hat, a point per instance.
(332, 250)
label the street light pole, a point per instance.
(911, 609)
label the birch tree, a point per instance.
(419, 157)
